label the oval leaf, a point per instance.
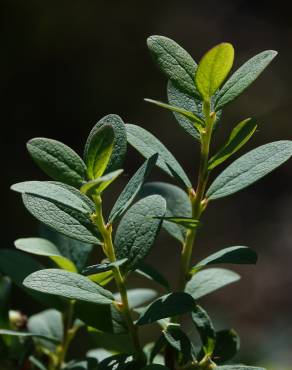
(205, 328)
(138, 297)
(58, 161)
(147, 145)
(69, 285)
(213, 69)
(177, 339)
(244, 77)
(249, 168)
(227, 345)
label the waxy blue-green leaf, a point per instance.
(177, 339)
(132, 188)
(58, 161)
(95, 187)
(99, 150)
(177, 202)
(102, 267)
(138, 229)
(138, 297)
(184, 101)
(236, 255)
(207, 281)
(244, 77)
(238, 137)
(174, 62)
(65, 220)
(147, 145)
(205, 329)
(169, 305)
(213, 69)
(69, 285)
(227, 345)
(43, 247)
(27, 335)
(249, 168)
(120, 140)
(188, 223)
(153, 274)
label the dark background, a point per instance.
(65, 64)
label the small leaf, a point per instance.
(132, 188)
(27, 335)
(244, 77)
(43, 247)
(178, 98)
(169, 305)
(237, 255)
(58, 161)
(177, 202)
(213, 69)
(174, 62)
(205, 328)
(99, 151)
(177, 339)
(102, 278)
(102, 267)
(227, 345)
(138, 297)
(207, 281)
(188, 223)
(138, 229)
(153, 274)
(147, 145)
(238, 137)
(99, 185)
(120, 140)
(67, 284)
(249, 168)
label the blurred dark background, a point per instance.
(65, 64)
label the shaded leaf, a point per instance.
(99, 185)
(102, 267)
(227, 345)
(188, 223)
(118, 362)
(177, 339)
(138, 297)
(153, 274)
(27, 335)
(205, 328)
(155, 367)
(111, 342)
(239, 367)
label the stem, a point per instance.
(106, 232)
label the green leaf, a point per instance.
(174, 62)
(111, 342)
(67, 284)
(177, 339)
(34, 361)
(27, 335)
(196, 121)
(205, 328)
(249, 168)
(102, 278)
(118, 362)
(132, 188)
(138, 229)
(207, 281)
(227, 345)
(138, 297)
(66, 220)
(5, 294)
(102, 267)
(99, 185)
(147, 145)
(9, 259)
(213, 69)
(153, 274)
(169, 305)
(237, 255)
(58, 161)
(120, 140)
(244, 77)
(177, 202)
(238, 137)
(178, 98)
(188, 223)
(43, 247)
(238, 367)
(155, 367)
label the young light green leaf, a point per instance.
(227, 345)
(236, 255)
(169, 305)
(153, 274)
(178, 98)
(138, 297)
(102, 267)
(102, 278)
(196, 121)
(177, 202)
(65, 220)
(120, 140)
(99, 151)
(238, 137)
(188, 223)
(244, 77)
(249, 168)
(27, 335)
(174, 62)
(213, 69)
(205, 328)
(58, 161)
(43, 247)
(69, 285)
(147, 145)
(97, 186)
(132, 188)
(138, 229)
(209, 280)
(177, 339)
